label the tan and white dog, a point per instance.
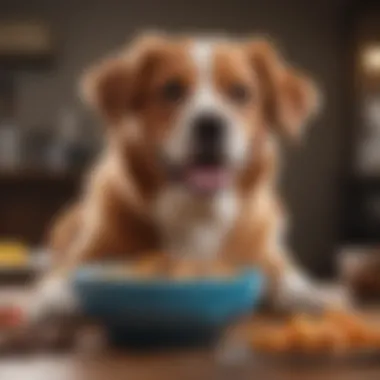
(191, 159)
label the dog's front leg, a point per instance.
(292, 289)
(54, 293)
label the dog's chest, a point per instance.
(194, 226)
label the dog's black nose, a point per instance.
(209, 132)
(209, 129)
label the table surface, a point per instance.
(169, 366)
(107, 363)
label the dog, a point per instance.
(191, 160)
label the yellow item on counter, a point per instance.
(13, 254)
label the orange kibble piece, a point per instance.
(334, 332)
(333, 339)
(355, 328)
(183, 270)
(273, 340)
(259, 342)
(221, 269)
(353, 324)
(299, 325)
(151, 266)
(145, 269)
(304, 333)
(361, 338)
(280, 341)
(156, 264)
(367, 338)
(375, 338)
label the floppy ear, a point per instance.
(107, 88)
(114, 87)
(289, 98)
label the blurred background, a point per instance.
(331, 182)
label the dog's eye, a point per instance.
(173, 91)
(239, 93)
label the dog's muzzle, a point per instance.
(206, 170)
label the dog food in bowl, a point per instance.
(176, 269)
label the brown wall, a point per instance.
(308, 31)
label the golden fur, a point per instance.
(114, 215)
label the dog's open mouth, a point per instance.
(206, 179)
(203, 178)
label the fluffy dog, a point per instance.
(191, 159)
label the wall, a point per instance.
(308, 32)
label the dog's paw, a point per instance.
(299, 293)
(334, 297)
(53, 296)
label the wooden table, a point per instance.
(108, 364)
(167, 366)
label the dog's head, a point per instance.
(202, 105)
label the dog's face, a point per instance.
(203, 105)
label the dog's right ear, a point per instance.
(107, 88)
(114, 88)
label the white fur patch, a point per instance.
(193, 226)
(202, 54)
(297, 291)
(205, 98)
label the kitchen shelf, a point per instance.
(38, 175)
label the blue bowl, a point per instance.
(163, 311)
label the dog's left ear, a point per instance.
(289, 98)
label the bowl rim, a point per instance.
(90, 274)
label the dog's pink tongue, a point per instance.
(207, 179)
